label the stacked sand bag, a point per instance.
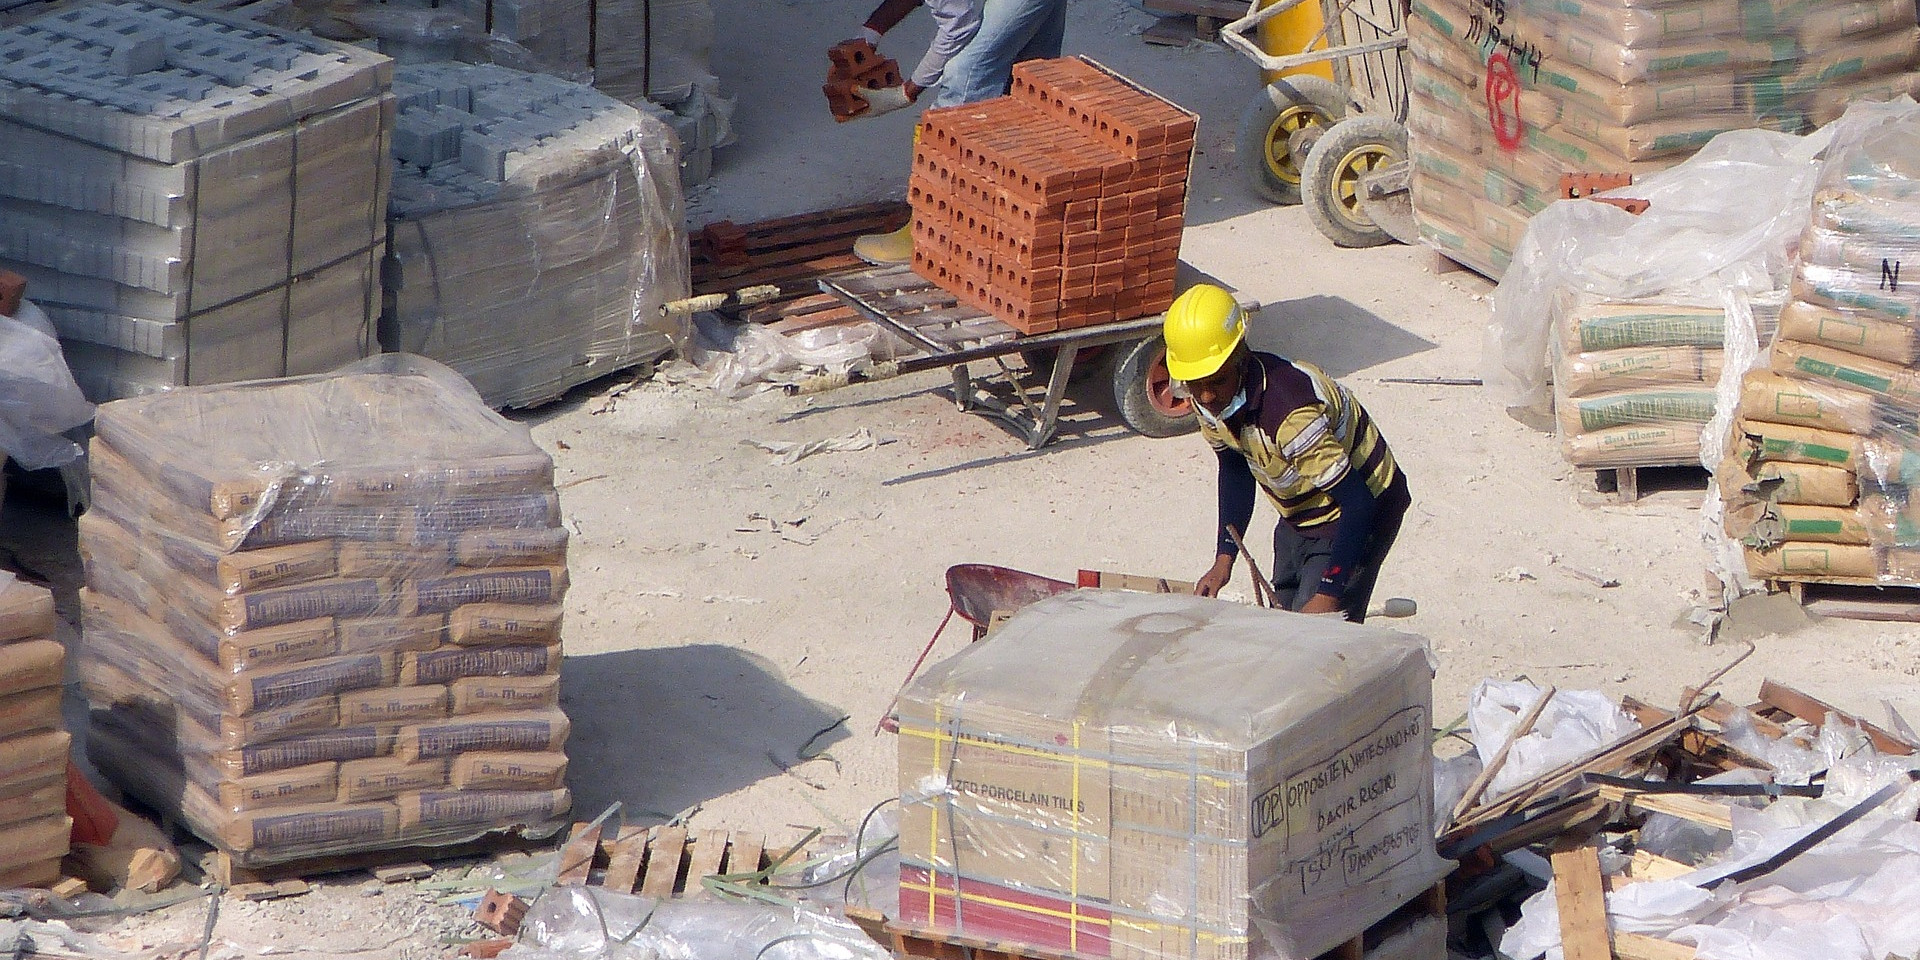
(1509, 95)
(33, 743)
(1826, 451)
(322, 615)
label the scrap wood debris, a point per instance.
(1706, 832)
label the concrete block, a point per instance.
(152, 338)
(243, 340)
(331, 313)
(138, 54)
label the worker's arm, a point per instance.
(1235, 490)
(955, 23)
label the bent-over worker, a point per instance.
(1304, 439)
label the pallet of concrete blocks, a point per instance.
(322, 615)
(1508, 95)
(1058, 206)
(1156, 776)
(34, 826)
(1634, 381)
(536, 231)
(193, 198)
(1827, 452)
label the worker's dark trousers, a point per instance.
(1299, 562)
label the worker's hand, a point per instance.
(883, 100)
(1216, 577)
(1321, 603)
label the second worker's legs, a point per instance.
(1010, 31)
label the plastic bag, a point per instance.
(747, 358)
(1725, 220)
(1573, 724)
(590, 923)
(38, 397)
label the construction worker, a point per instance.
(1302, 438)
(975, 45)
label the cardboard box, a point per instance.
(1185, 778)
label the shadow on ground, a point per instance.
(1336, 334)
(663, 729)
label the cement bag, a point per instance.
(1821, 560)
(1859, 333)
(1588, 325)
(1781, 442)
(1624, 407)
(1894, 384)
(1586, 374)
(1773, 398)
(1635, 446)
(1802, 483)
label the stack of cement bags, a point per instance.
(194, 199)
(1633, 381)
(1509, 95)
(33, 743)
(1827, 453)
(323, 614)
(536, 230)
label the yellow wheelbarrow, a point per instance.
(1329, 129)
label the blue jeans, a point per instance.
(1010, 31)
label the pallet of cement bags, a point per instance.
(322, 615)
(34, 826)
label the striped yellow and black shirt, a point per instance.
(1302, 433)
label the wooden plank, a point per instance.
(1696, 809)
(624, 862)
(663, 862)
(745, 853)
(769, 312)
(853, 212)
(576, 857)
(1815, 712)
(708, 851)
(799, 275)
(1892, 609)
(1639, 946)
(815, 321)
(1583, 904)
(226, 872)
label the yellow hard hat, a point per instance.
(1203, 326)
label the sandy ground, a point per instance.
(726, 607)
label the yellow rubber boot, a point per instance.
(884, 249)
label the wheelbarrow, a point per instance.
(1337, 146)
(977, 591)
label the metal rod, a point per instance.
(1262, 591)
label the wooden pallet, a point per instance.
(220, 867)
(1852, 598)
(908, 943)
(1623, 485)
(788, 252)
(661, 862)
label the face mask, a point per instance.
(1219, 419)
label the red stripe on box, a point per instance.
(989, 911)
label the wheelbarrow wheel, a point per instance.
(1350, 151)
(1270, 129)
(1143, 390)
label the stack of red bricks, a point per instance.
(1058, 206)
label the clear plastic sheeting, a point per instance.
(1591, 279)
(322, 615)
(1508, 95)
(536, 231)
(1821, 462)
(1162, 776)
(1853, 896)
(1574, 724)
(746, 358)
(592, 923)
(38, 399)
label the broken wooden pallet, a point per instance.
(660, 862)
(787, 252)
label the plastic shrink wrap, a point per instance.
(1824, 452)
(33, 739)
(322, 615)
(536, 230)
(1508, 95)
(1116, 774)
(193, 198)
